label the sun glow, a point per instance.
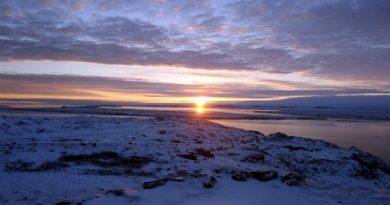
(200, 102)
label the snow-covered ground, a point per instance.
(118, 160)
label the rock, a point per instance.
(218, 171)
(40, 130)
(190, 156)
(204, 152)
(256, 132)
(254, 158)
(176, 141)
(366, 159)
(370, 162)
(369, 165)
(107, 159)
(162, 132)
(198, 173)
(154, 184)
(63, 203)
(264, 175)
(52, 165)
(365, 172)
(210, 183)
(20, 165)
(116, 192)
(240, 176)
(279, 136)
(385, 168)
(198, 141)
(293, 179)
(295, 148)
(160, 118)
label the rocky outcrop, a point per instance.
(154, 184)
(254, 158)
(279, 136)
(240, 176)
(264, 175)
(293, 179)
(210, 183)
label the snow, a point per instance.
(227, 192)
(105, 160)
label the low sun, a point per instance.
(200, 102)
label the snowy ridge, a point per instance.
(101, 160)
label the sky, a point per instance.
(172, 51)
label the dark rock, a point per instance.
(279, 136)
(210, 183)
(256, 132)
(51, 165)
(385, 168)
(190, 156)
(369, 165)
(204, 152)
(88, 157)
(162, 132)
(176, 141)
(264, 175)
(198, 141)
(104, 172)
(20, 165)
(365, 172)
(159, 118)
(240, 176)
(370, 161)
(218, 171)
(198, 173)
(154, 184)
(183, 173)
(366, 159)
(107, 159)
(212, 134)
(19, 123)
(40, 130)
(254, 158)
(295, 148)
(63, 203)
(292, 179)
(116, 192)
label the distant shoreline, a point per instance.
(224, 114)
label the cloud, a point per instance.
(342, 39)
(83, 87)
(331, 38)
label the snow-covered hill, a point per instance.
(107, 160)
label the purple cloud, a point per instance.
(342, 39)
